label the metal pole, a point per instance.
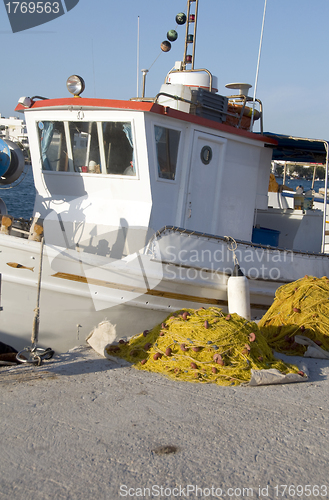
(195, 26)
(313, 180)
(325, 198)
(35, 354)
(284, 173)
(186, 34)
(1, 308)
(144, 71)
(257, 70)
(36, 319)
(92, 51)
(137, 57)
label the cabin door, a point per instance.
(207, 163)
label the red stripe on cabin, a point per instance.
(86, 103)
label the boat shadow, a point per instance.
(82, 360)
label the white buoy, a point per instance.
(238, 294)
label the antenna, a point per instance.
(144, 71)
(137, 56)
(257, 70)
(92, 53)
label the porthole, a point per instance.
(206, 155)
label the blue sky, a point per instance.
(98, 38)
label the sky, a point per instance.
(97, 39)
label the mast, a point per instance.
(190, 38)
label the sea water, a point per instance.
(20, 198)
(305, 183)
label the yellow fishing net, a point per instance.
(299, 308)
(201, 345)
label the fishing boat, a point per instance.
(146, 206)
(307, 152)
(303, 201)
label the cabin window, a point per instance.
(167, 142)
(119, 148)
(87, 147)
(52, 137)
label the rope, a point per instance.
(299, 308)
(203, 345)
(232, 246)
(157, 57)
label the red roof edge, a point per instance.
(80, 102)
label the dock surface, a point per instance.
(84, 427)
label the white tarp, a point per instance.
(274, 376)
(313, 350)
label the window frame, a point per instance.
(99, 127)
(178, 162)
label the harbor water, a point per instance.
(306, 183)
(20, 198)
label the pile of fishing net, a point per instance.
(299, 309)
(203, 345)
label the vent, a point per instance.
(209, 105)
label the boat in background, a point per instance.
(146, 206)
(304, 203)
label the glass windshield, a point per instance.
(167, 142)
(87, 147)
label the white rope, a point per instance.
(232, 246)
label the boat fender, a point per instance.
(12, 161)
(36, 230)
(238, 294)
(6, 224)
(247, 111)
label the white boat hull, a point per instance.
(79, 290)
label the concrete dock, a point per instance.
(81, 427)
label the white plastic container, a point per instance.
(193, 79)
